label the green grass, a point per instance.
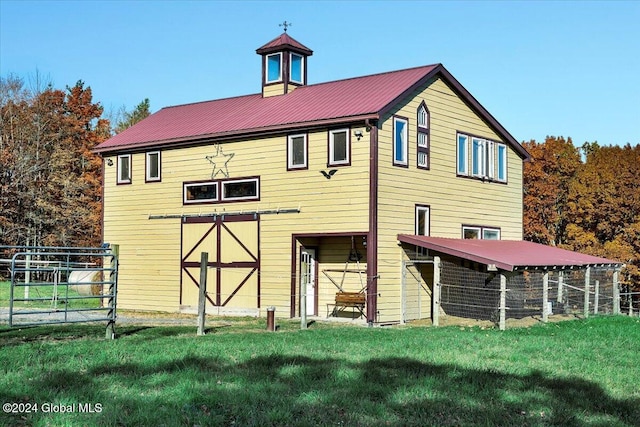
(576, 373)
(46, 292)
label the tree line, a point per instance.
(584, 199)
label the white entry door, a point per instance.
(308, 278)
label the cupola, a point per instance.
(284, 65)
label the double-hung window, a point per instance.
(152, 160)
(339, 147)
(481, 158)
(124, 169)
(423, 137)
(297, 151)
(400, 141)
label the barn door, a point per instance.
(232, 243)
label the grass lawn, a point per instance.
(575, 373)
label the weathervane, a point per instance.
(286, 25)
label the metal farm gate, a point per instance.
(50, 285)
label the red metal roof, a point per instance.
(284, 40)
(356, 98)
(507, 255)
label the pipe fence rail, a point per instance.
(52, 285)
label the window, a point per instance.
(423, 137)
(246, 189)
(422, 220)
(488, 158)
(232, 190)
(297, 151)
(462, 155)
(339, 147)
(205, 192)
(274, 68)
(502, 162)
(296, 69)
(153, 166)
(124, 169)
(479, 232)
(400, 136)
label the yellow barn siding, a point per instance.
(453, 200)
(325, 206)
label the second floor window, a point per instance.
(339, 148)
(423, 137)
(481, 158)
(124, 169)
(152, 166)
(273, 68)
(400, 141)
(297, 151)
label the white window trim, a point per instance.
(236, 181)
(481, 231)
(427, 213)
(501, 147)
(148, 176)
(347, 160)
(266, 68)
(198, 184)
(121, 180)
(301, 81)
(484, 229)
(405, 145)
(464, 156)
(290, 164)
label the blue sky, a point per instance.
(541, 68)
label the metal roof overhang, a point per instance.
(235, 134)
(509, 255)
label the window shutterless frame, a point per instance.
(296, 68)
(240, 190)
(297, 152)
(152, 166)
(124, 169)
(273, 68)
(422, 157)
(339, 147)
(400, 141)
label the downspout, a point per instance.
(372, 238)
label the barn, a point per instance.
(298, 193)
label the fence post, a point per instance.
(587, 279)
(110, 332)
(437, 290)
(503, 302)
(596, 297)
(616, 293)
(545, 296)
(560, 286)
(202, 296)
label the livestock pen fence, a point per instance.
(47, 285)
(467, 291)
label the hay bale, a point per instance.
(86, 282)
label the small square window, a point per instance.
(339, 148)
(153, 166)
(491, 233)
(124, 169)
(471, 232)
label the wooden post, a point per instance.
(437, 290)
(596, 297)
(303, 295)
(202, 297)
(545, 297)
(587, 279)
(110, 332)
(616, 293)
(503, 302)
(560, 286)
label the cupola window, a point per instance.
(274, 67)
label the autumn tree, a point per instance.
(547, 178)
(50, 179)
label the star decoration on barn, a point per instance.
(220, 161)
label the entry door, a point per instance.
(308, 278)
